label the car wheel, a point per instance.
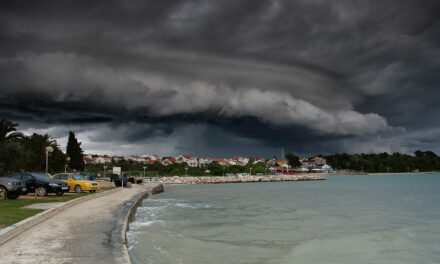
(59, 193)
(93, 191)
(78, 189)
(41, 191)
(5, 193)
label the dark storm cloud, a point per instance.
(313, 76)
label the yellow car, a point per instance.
(77, 182)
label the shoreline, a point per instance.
(158, 188)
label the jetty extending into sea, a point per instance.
(239, 179)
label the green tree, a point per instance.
(74, 152)
(292, 160)
(13, 157)
(8, 131)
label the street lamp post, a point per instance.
(250, 171)
(48, 149)
(186, 171)
(105, 167)
(144, 171)
(223, 171)
(65, 164)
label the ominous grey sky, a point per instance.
(224, 78)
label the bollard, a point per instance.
(35, 193)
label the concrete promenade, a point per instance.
(89, 232)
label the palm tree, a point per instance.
(36, 144)
(8, 131)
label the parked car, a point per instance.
(12, 188)
(40, 182)
(77, 182)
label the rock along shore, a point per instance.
(238, 179)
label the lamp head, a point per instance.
(49, 149)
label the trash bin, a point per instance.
(92, 177)
(113, 177)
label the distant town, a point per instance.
(272, 166)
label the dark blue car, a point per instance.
(40, 182)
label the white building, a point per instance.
(205, 161)
(136, 158)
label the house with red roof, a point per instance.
(192, 161)
(167, 161)
(318, 161)
(256, 160)
(88, 160)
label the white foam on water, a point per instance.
(162, 251)
(192, 206)
(136, 225)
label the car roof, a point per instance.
(9, 178)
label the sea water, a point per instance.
(345, 219)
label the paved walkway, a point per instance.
(90, 232)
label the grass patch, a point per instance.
(11, 211)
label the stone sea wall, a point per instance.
(239, 179)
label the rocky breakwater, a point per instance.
(238, 179)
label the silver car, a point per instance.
(11, 188)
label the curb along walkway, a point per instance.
(89, 232)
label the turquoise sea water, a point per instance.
(346, 219)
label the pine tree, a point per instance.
(75, 152)
(292, 160)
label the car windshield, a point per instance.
(40, 176)
(78, 177)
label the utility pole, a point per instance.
(282, 154)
